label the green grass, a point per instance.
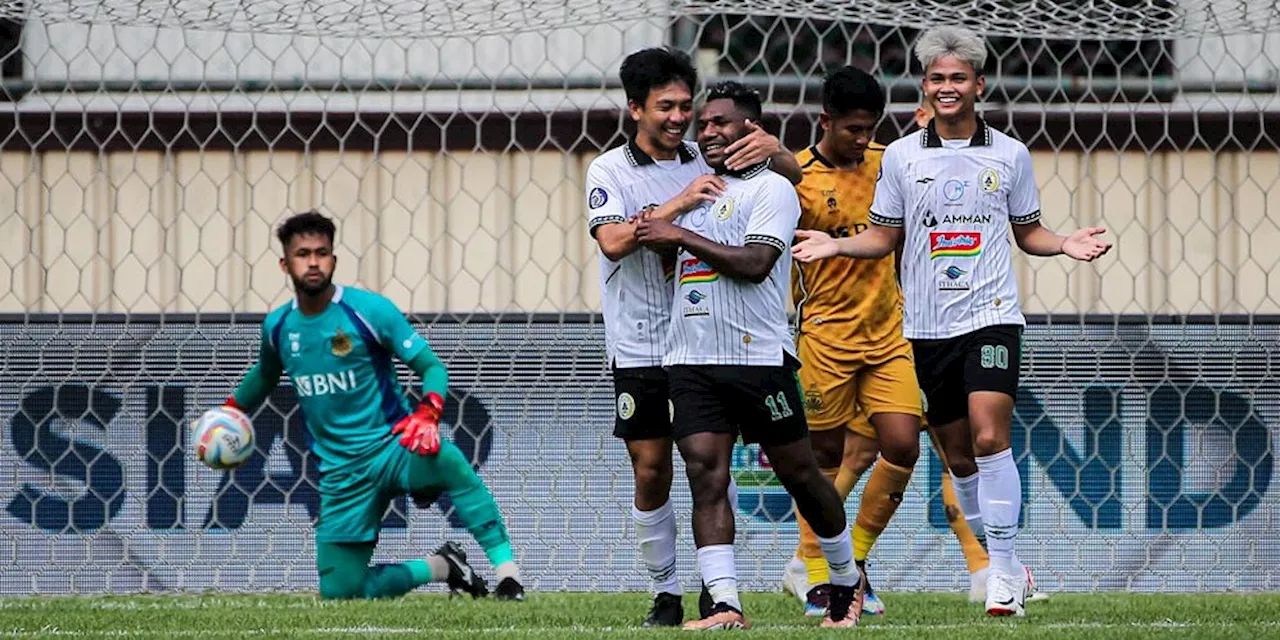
(582, 615)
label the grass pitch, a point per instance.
(587, 615)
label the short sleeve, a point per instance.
(604, 198)
(888, 206)
(1024, 195)
(774, 215)
(393, 329)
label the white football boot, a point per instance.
(1006, 594)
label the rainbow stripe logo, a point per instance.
(954, 244)
(695, 271)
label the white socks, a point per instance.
(967, 495)
(716, 563)
(656, 533)
(1000, 496)
(839, 554)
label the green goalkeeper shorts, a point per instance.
(354, 500)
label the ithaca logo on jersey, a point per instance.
(324, 384)
(954, 281)
(597, 198)
(695, 271)
(954, 244)
(340, 344)
(694, 309)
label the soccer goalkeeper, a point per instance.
(336, 345)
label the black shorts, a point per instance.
(642, 405)
(989, 359)
(762, 404)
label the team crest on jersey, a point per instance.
(695, 271)
(626, 406)
(597, 198)
(989, 179)
(813, 401)
(340, 344)
(723, 209)
(954, 244)
(295, 344)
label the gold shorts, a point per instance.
(842, 389)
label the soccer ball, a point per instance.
(223, 438)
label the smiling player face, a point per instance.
(951, 88)
(720, 124)
(310, 262)
(664, 116)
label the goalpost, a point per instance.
(148, 148)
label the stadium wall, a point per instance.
(177, 229)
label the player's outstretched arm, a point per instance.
(260, 381)
(876, 242)
(1083, 245)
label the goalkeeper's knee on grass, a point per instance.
(345, 573)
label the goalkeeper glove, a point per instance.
(420, 431)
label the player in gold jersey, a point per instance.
(857, 370)
(857, 367)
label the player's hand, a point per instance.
(1083, 245)
(420, 431)
(649, 208)
(654, 232)
(703, 190)
(814, 245)
(751, 149)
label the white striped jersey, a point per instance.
(719, 320)
(636, 291)
(955, 200)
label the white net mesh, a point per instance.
(1104, 19)
(148, 148)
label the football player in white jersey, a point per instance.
(660, 171)
(950, 192)
(731, 362)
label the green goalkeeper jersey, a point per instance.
(340, 364)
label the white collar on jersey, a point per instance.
(981, 137)
(638, 158)
(337, 296)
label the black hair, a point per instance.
(745, 99)
(310, 222)
(648, 69)
(851, 89)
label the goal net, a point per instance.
(148, 148)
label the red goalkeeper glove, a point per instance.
(420, 431)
